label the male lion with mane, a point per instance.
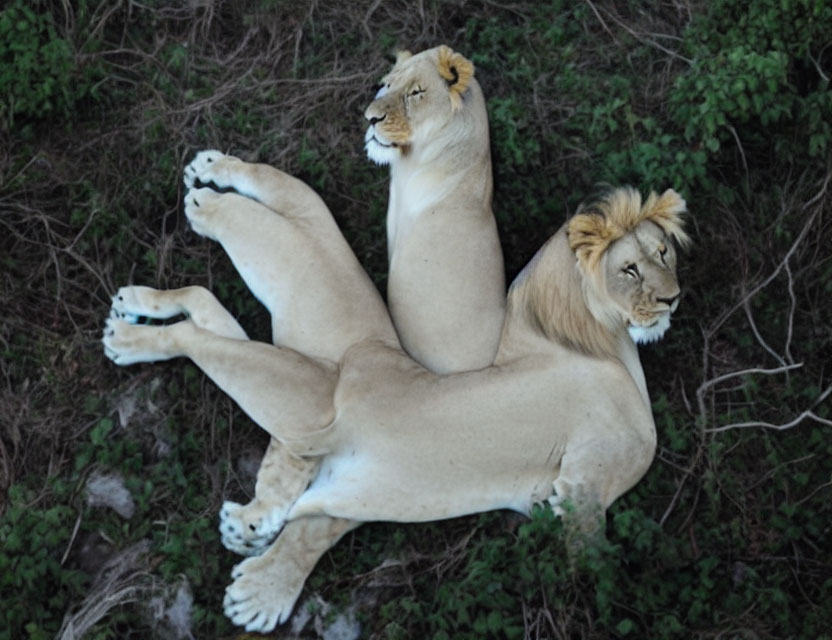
(391, 440)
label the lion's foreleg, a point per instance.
(266, 588)
(249, 529)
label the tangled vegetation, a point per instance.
(102, 103)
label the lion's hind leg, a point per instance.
(249, 529)
(266, 588)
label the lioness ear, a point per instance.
(402, 55)
(589, 236)
(457, 70)
(666, 211)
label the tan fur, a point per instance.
(556, 307)
(446, 269)
(394, 441)
(458, 71)
(551, 296)
(594, 228)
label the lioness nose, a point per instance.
(374, 119)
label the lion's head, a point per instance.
(417, 100)
(612, 267)
(627, 253)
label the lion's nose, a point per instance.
(375, 120)
(669, 301)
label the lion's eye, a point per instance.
(631, 270)
(416, 92)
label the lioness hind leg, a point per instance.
(266, 588)
(198, 303)
(320, 298)
(249, 529)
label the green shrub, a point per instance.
(34, 586)
(756, 64)
(35, 64)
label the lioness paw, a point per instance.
(204, 168)
(260, 597)
(133, 302)
(200, 204)
(249, 529)
(126, 343)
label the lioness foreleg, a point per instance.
(246, 529)
(286, 393)
(132, 302)
(266, 588)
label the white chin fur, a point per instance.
(646, 335)
(377, 151)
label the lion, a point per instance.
(562, 415)
(429, 123)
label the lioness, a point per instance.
(446, 286)
(428, 121)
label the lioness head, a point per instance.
(417, 99)
(626, 251)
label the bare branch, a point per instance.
(638, 36)
(776, 427)
(755, 331)
(792, 308)
(735, 374)
(782, 265)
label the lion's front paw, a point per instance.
(261, 596)
(556, 503)
(249, 529)
(203, 168)
(126, 343)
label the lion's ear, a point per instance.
(402, 55)
(589, 236)
(457, 70)
(667, 211)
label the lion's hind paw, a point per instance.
(256, 599)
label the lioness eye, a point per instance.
(417, 91)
